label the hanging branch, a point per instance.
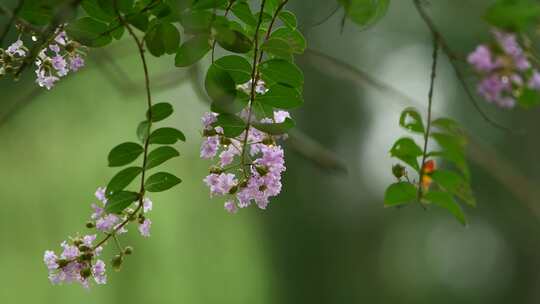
(428, 123)
(454, 62)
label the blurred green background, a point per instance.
(327, 238)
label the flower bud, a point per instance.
(243, 183)
(128, 250)
(262, 170)
(141, 218)
(269, 141)
(62, 263)
(233, 190)
(398, 171)
(70, 47)
(224, 141)
(90, 225)
(216, 170)
(8, 69)
(84, 248)
(86, 272)
(117, 262)
(86, 256)
(209, 132)
(77, 241)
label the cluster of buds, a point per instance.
(250, 165)
(54, 61)
(505, 70)
(400, 172)
(78, 261)
(12, 58)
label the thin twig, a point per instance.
(140, 48)
(454, 62)
(326, 18)
(254, 76)
(428, 123)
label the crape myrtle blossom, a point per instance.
(57, 60)
(505, 70)
(53, 61)
(244, 177)
(78, 260)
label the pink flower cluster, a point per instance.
(505, 70)
(250, 165)
(108, 222)
(52, 62)
(77, 262)
(57, 60)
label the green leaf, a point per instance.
(294, 38)
(206, 4)
(232, 125)
(89, 32)
(166, 136)
(281, 71)
(288, 18)
(408, 151)
(282, 97)
(454, 184)
(412, 120)
(162, 38)
(140, 21)
(37, 13)
(221, 89)
(453, 146)
(160, 155)
(233, 40)
(275, 128)
(124, 154)
(116, 29)
(446, 201)
(365, 12)
(94, 10)
(160, 182)
(278, 47)
(513, 15)
(196, 21)
(399, 194)
(242, 11)
(160, 111)
(450, 126)
(237, 67)
(192, 51)
(142, 130)
(122, 179)
(529, 98)
(120, 201)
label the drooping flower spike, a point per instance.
(79, 260)
(244, 182)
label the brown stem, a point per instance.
(140, 47)
(428, 125)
